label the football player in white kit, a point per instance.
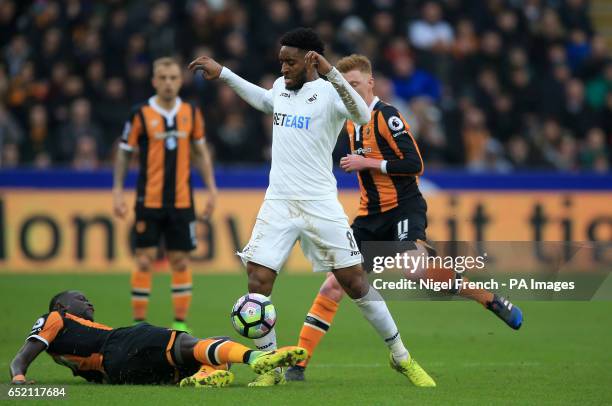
(301, 203)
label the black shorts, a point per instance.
(406, 222)
(177, 226)
(141, 355)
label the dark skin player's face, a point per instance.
(76, 303)
(293, 67)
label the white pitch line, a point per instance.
(435, 364)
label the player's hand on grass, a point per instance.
(120, 208)
(318, 61)
(209, 203)
(210, 68)
(21, 380)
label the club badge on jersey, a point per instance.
(171, 143)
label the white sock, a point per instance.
(375, 310)
(267, 342)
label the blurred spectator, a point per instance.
(8, 21)
(410, 82)
(553, 86)
(510, 28)
(567, 154)
(524, 92)
(578, 117)
(16, 54)
(598, 88)
(433, 38)
(53, 51)
(557, 145)
(606, 114)
(431, 32)
(10, 132)
(96, 72)
(491, 53)
(42, 161)
(428, 131)
(519, 153)
(578, 49)
(352, 35)
(111, 108)
(479, 149)
(115, 34)
(491, 85)
(160, 32)
(595, 154)
(234, 142)
(85, 154)
(37, 140)
(308, 12)
(79, 125)
(503, 118)
(548, 32)
(575, 15)
(597, 59)
(9, 157)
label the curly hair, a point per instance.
(303, 38)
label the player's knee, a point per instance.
(143, 262)
(332, 289)
(179, 264)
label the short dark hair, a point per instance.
(303, 38)
(55, 300)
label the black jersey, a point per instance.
(73, 342)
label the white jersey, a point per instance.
(306, 124)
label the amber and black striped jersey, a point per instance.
(163, 139)
(73, 342)
(386, 137)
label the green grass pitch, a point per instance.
(561, 355)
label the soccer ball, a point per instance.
(253, 315)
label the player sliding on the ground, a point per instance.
(301, 202)
(140, 354)
(388, 162)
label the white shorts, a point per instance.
(320, 226)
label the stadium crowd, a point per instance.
(491, 85)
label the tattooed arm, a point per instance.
(356, 108)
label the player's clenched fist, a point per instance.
(210, 68)
(318, 61)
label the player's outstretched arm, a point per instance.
(256, 96)
(355, 105)
(24, 357)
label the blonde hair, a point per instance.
(355, 62)
(165, 61)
